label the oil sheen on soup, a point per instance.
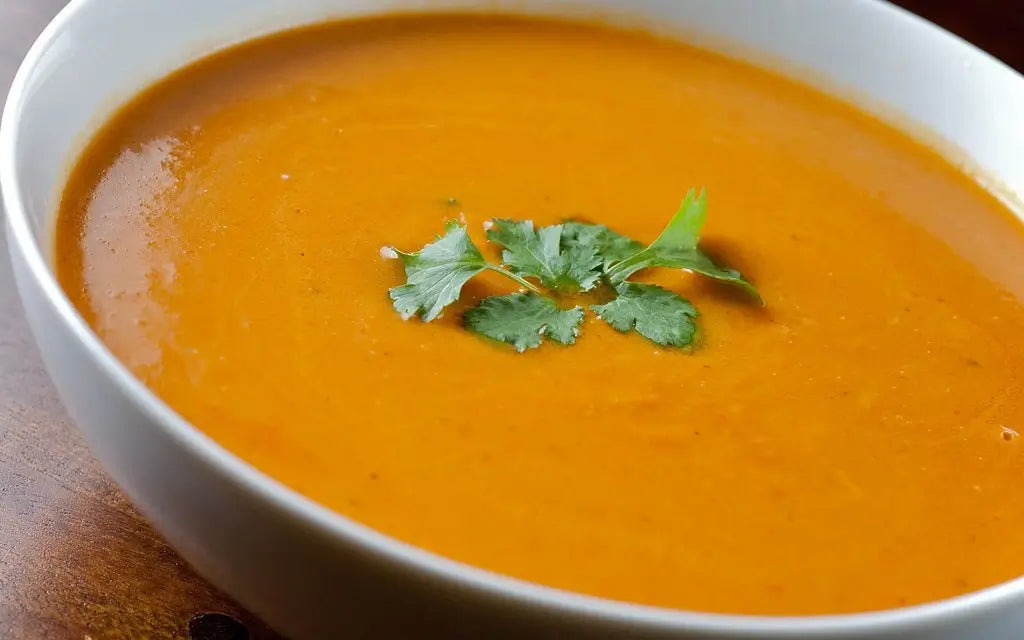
(852, 445)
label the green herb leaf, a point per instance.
(436, 273)
(522, 319)
(572, 257)
(677, 248)
(540, 253)
(610, 245)
(657, 314)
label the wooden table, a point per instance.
(76, 560)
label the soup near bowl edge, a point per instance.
(850, 445)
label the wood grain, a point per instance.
(76, 560)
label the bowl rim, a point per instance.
(341, 528)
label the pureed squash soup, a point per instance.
(851, 445)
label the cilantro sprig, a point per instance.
(522, 319)
(540, 253)
(677, 248)
(436, 273)
(656, 313)
(565, 259)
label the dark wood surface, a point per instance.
(76, 560)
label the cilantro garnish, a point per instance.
(566, 259)
(661, 316)
(540, 253)
(436, 273)
(522, 319)
(609, 245)
(676, 248)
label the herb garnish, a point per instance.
(522, 319)
(566, 259)
(435, 274)
(540, 253)
(657, 314)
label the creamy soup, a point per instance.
(851, 445)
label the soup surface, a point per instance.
(850, 446)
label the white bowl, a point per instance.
(311, 572)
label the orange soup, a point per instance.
(851, 445)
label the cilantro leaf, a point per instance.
(657, 314)
(435, 274)
(677, 247)
(522, 319)
(539, 253)
(610, 245)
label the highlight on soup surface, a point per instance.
(599, 401)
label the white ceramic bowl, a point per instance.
(311, 572)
